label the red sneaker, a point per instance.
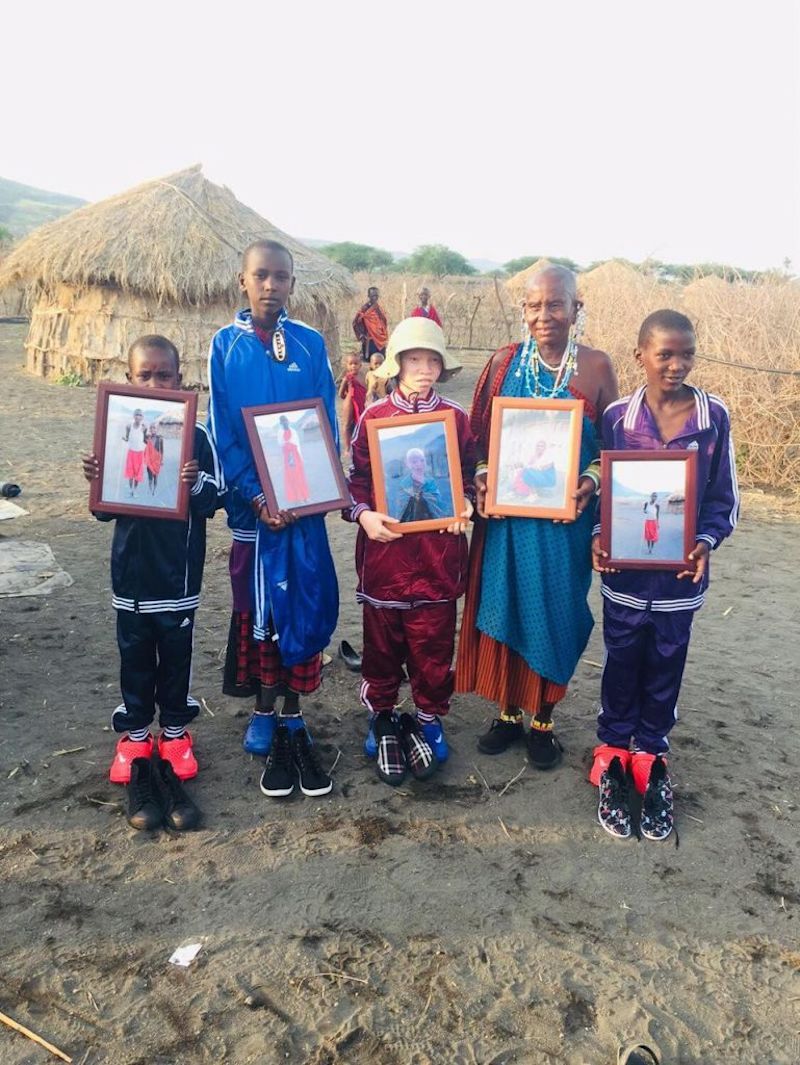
(641, 764)
(180, 755)
(127, 750)
(602, 760)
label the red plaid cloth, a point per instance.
(261, 660)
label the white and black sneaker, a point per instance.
(314, 780)
(657, 819)
(279, 776)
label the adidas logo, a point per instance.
(185, 622)
(293, 368)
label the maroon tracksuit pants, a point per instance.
(422, 639)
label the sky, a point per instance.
(635, 128)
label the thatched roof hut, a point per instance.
(160, 258)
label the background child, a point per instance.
(409, 584)
(647, 615)
(353, 393)
(424, 308)
(136, 439)
(285, 593)
(371, 326)
(156, 573)
(378, 387)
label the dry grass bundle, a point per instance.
(753, 325)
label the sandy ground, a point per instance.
(452, 922)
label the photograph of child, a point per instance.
(647, 510)
(416, 473)
(297, 457)
(534, 452)
(142, 440)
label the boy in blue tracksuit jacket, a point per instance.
(647, 615)
(156, 574)
(285, 592)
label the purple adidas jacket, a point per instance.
(628, 424)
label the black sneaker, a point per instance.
(418, 753)
(390, 764)
(144, 802)
(544, 750)
(501, 735)
(180, 812)
(613, 812)
(279, 775)
(657, 820)
(313, 778)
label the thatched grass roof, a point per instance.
(177, 239)
(516, 284)
(612, 274)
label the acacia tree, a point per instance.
(436, 260)
(358, 256)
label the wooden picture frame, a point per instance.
(142, 480)
(534, 452)
(629, 481)
(296, 457)
(417, 451)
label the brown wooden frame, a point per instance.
(607, 460)
(105, 391)
(267, 487)
(525, 510)
(447, 418)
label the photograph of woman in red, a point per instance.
(294, 471)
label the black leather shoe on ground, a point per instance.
(180, 812)
(279, 776)
(350, 657)
(501, 735)
(314, 780)
(144, 801)
(544, 750)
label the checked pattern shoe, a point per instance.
(657, 820)
(613, 812)
(418, 753)
(391, 763)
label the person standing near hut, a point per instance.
(285, 592)
(371, 326)
(652, 512)
(136, 439)
(425, 309)
(526, 619)
(153, 457)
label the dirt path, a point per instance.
(441, 923)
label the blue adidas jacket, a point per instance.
(295, 590)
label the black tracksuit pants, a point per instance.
(155, 668)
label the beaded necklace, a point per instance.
(531, 362)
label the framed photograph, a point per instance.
(296, 458)
(142, 439)
(416, 470)
(534, 449)
(648, 508)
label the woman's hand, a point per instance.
(700, 558)
(462, 524)
(377, 526)
(583, 497)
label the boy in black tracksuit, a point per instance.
(156, 573)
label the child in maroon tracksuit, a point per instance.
(409, 584)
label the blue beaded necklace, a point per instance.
(531, 361)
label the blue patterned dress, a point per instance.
(536, 573)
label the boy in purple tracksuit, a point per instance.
(647, 615)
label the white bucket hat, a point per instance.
(416, 333)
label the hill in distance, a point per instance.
(23, 207)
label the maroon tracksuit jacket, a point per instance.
(408, 587)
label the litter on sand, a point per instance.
(185, 954)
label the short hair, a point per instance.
(373, 288)
(266, 245)
(415, 451)
(155, 340)
(563, 272)
(665, 319)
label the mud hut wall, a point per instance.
(88, 332)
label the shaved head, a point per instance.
(560, 273)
